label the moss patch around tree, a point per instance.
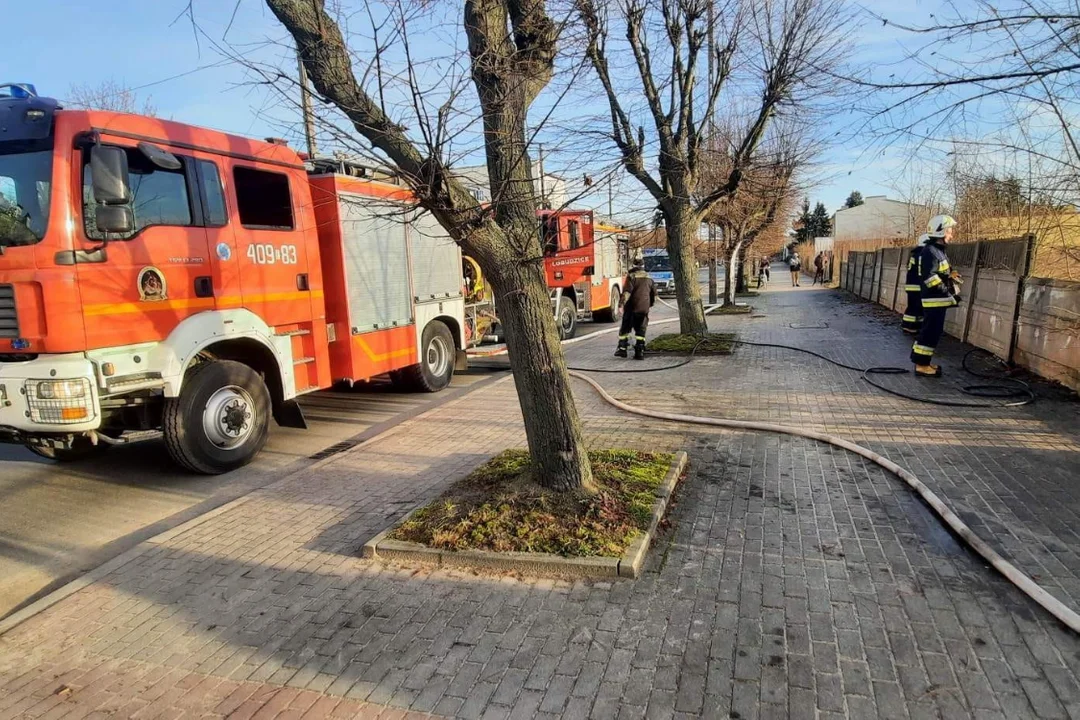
(711, 344)
(731, 310)
(499, 507)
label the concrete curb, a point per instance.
(627, 566)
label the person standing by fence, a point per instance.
(913, 313)
(819, 269)
(937, 282)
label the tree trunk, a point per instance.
(682, 234)
(730, 279)
(552, 426)
(509, 70)
(712, 281)
(522, 299)
(712, 253)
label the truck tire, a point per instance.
(613, 312)
(436, 367)
(80, 449)
(221, 419)
(566, 318)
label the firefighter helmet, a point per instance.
(939, 224)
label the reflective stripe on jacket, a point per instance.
(911, 282)
(933, 272)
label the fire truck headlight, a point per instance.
(59, 402)
(61, 389)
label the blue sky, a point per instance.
(145, 45)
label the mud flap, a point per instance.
(288, 414)
(461, 361)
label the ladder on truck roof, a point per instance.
(340, 164)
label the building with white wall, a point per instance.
(879, 218)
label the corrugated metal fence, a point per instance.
(1031, 321)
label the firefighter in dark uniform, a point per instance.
(639, 295)
(913, 314)
(940, 291)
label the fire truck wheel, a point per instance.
(566, 318)
(436, 367)
(613, 312)
(221, 419)
(80, 449)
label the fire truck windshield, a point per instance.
(25, 189)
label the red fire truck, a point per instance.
(584, 265)
(160, 277)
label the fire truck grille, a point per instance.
(9, 321)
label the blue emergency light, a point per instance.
(20, 91)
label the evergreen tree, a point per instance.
(854, 199)
(804, 223)
(820, 222)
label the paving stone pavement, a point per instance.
(795, 580)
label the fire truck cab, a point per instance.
(157, 277)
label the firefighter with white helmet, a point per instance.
(938, 290)
(913, 313)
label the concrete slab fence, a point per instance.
(1033, 322)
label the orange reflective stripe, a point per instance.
(147, 307)
(194, 303)
(380, 357)
(238, 301)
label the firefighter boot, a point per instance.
(932, 371)
(624, 344)
(639, 350)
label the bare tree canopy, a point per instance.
(770, 55)
(511, 45)
(108, 95)
(766, 198)
(1000, 80)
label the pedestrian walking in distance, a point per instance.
(819, 269)
(639, 295)
(913, 313)
(939, 290)
(795, 264)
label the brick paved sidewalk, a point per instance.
(795, 580)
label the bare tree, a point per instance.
(987, 78)
(512, 47)
(762, 207)
(771, 53)
(109, 95)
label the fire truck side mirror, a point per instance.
(116, 219)
(109, 175)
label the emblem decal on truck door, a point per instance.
(151, 285)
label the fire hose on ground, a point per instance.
(1029, 587)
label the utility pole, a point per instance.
(543, 193)
(711, 140)
(305, 104)
(610, 199)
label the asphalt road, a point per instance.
(60, 520)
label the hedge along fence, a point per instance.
(1034, 322)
